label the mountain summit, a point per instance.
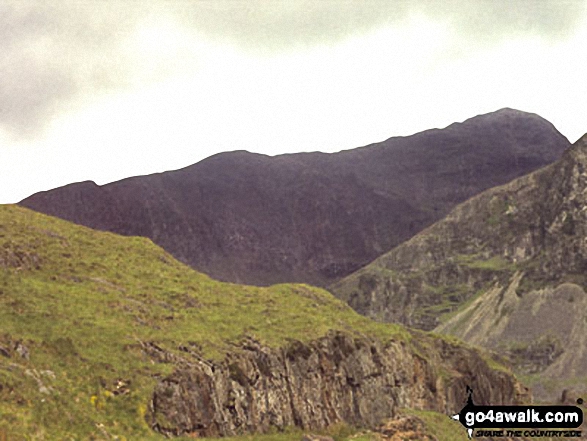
(310, 217)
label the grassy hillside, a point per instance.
(77, 304)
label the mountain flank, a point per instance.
(109, 337)
(310, 217)
(506, 270)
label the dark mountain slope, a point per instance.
(310, 217)
(506, 269)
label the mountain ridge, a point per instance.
(310, 217)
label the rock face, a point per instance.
(310, 217)
(515, 255)
(337, 378)
(531, 232)
(543, 332)
(405, 428)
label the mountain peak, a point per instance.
(506, 113)
(511, 111)
(478, 272)
(310, 217)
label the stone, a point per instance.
(405, 428)
(22, 350)
(337, 378)
(4, 352)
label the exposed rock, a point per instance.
(405, 428)
(22, 350)
(310, 217)
(338, 378)
(14, 257)
(4, 352)
(498, 237)
(543, 331)
(38, 377)
(515, 256)
(571, 397)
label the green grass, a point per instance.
(82, 301)
(464, 305)
(446, 299)
(494, 263)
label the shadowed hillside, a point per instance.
(505, 270)
(310, 217)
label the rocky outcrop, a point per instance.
(505, 270)
(310, 217)
(543, 332)
(358, 380)
(530, 232)
(14, 257)
(405, 428)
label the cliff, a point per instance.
(534, 225)
(505, 270)
(338, 378)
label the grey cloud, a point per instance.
(498, 19)
(50, 52)
(29, 91)
(53, 52)
(280, 24)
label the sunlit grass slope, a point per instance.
(78, 303)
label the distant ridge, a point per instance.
(310, 217)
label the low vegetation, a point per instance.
(77, 305)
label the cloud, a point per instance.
(497, 19)
(292, 23)
(53, 53)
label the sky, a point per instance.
(103, 90)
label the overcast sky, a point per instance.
(106, 90)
